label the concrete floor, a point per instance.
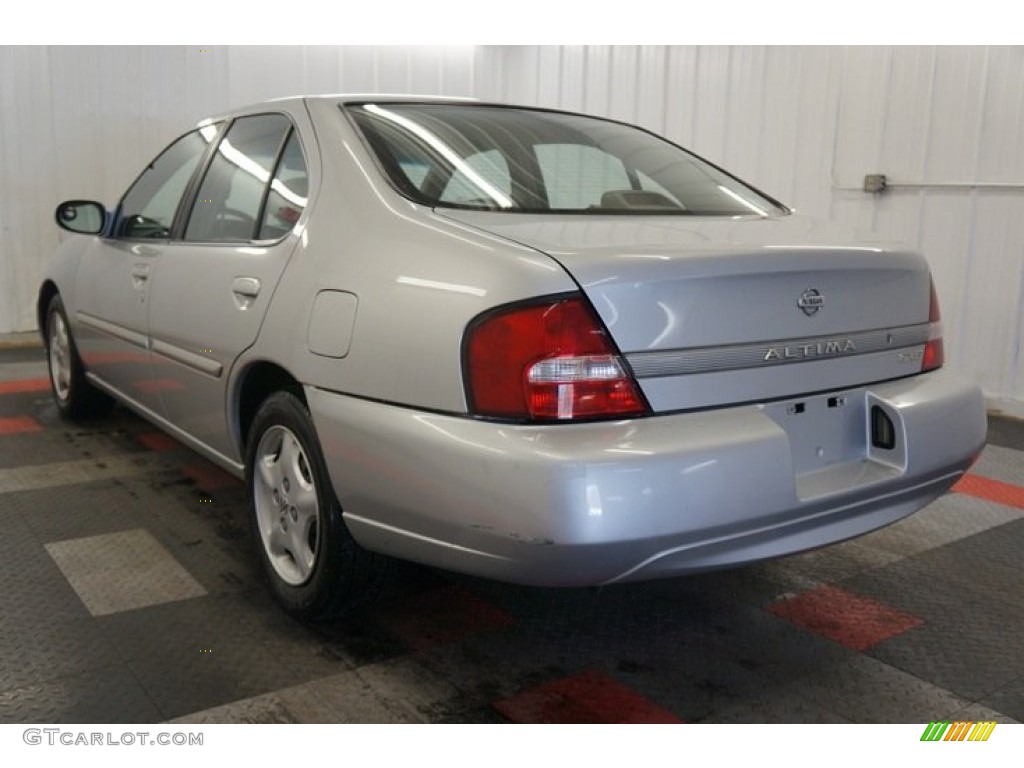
(131, 595)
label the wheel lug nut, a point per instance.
(286, 485)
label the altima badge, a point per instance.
(811, 301)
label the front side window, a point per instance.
(147, 210)
(512, 160)
(230, 199)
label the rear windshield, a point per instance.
(530, 161)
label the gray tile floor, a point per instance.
(132, 595)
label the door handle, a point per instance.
(245, 289)
(246, 286)
(140, 274)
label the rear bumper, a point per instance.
(589, 504)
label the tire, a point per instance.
(75, 396)
(315, 568)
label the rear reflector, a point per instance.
(883, 433)
(550, 361)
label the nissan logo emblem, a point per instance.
(811, 301)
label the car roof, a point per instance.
(298, 100)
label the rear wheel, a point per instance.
(75, 396)
(314, 566)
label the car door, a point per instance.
(208, 299)
(115, 274)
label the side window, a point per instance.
(464, 186)
(576, 176)
(148, 208)
(415, 171)
(227, 208)
(288, 192)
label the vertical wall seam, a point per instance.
(638, 74)
(1012, 384)
(972, 219)
(727, 109)
(925, 146)
(584, 77)
(608, 84)
(695, 109)
(796, 136)
(840, 101)
(875, 199)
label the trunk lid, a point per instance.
(711, 311)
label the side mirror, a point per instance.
(83, 217)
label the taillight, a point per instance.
(550, 361)
(934, 355)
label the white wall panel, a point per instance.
(650, 87)
(256, 73)
(1001, 154)
(680, 102)
(992, 292)
(958, 91)
(710, 103)
(573, 80)
(803, 123)
(321, 67)
(745, 95)
(597, 61)
(816, 121)
(26, 134)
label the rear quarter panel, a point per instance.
(418, 279)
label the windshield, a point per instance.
(532, 161)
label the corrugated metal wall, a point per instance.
(804, 123)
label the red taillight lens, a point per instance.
(934, 356)
(547, 362)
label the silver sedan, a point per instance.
(530, 345)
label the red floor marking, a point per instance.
(441, 616)
(590, 697)
(115, 358)
(851, 620)
(158, 441)
(12, 425)
(24, 385)
(991, 490)
(209, 478)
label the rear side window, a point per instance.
(229, 205)
(148, 208)
(288, 191)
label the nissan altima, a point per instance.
(525, 344)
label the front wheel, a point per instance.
(314, 566)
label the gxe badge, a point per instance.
(811, 301)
